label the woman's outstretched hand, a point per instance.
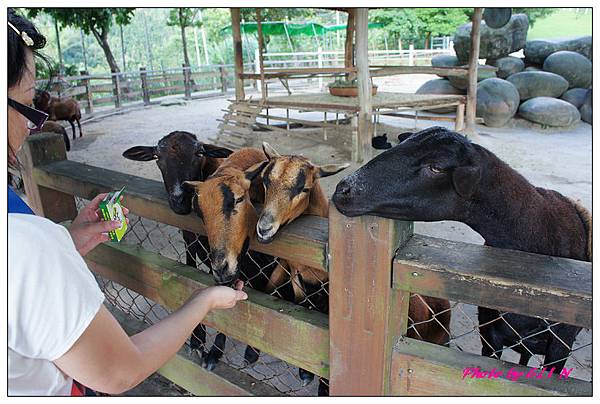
(87, 230)
(223, 297)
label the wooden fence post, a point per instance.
(366, 315)
(40, 149)
(85, 81)
(117, 89)
(187, 87)
(223, 79)
(144, 79)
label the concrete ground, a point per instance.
(559, 159)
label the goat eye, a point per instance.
(435, 169)
(306, 190)
(239, 200)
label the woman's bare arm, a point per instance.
(105, 359)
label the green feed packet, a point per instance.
(111, 209)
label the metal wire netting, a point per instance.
(168, 241)
(464, 333)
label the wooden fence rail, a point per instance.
(374, 265)
(123, 88)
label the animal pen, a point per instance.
(376, 267)
(361, 111)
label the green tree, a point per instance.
(439, 21)
(534, 14)
(184, 18)
(96, 21)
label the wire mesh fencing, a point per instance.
(510, 337)
(168, 241)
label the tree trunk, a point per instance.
(427, 40)
(102, 39)
(182, 24)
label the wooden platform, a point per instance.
(382, 100)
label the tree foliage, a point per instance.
(96, 21)
(534, 14)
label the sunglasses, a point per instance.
(35, 118)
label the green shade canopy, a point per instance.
(293, 29)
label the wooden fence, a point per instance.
(374, 265)
(119, 89)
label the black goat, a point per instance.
(181, 157)
(436, 175)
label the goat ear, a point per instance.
(330, 169)
(256, 169)
(466, 180)
(403, 136)
(210, 150)
(141, 153)
(270, 152)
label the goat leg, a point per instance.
(67, 142)
(251, 355)
(323, 387)
(73, 128)
(215, 353)
(198, 340)
(79, 126)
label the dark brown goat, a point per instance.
(436, 175)
(58, 109)
(55, 127)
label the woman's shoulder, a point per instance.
(32, 228)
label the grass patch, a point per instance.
(565, 23)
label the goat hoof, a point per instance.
(306, 377)
(250, 356)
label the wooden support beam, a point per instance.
(238, 54)
(559, 289)
(303, 241)
(366, 316)
(349, 44)
(261, 44)
(365, 126)
(473, 66)
(40, 149)
(277, 327)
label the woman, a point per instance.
(58, 328)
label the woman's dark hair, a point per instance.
(17, 49)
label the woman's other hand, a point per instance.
(87, 230)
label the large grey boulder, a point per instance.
(494, 43)
(586, 109)
(577, 69)
(462, 82)
(533, 84)
(575, 96)
(444, 61)
(497, 101)
(549, 111)
(440, 86)
(507, 65)
(538, 50)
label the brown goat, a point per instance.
(59, 109)
(55, 127)
(292, 189)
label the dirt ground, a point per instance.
(559, 159)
